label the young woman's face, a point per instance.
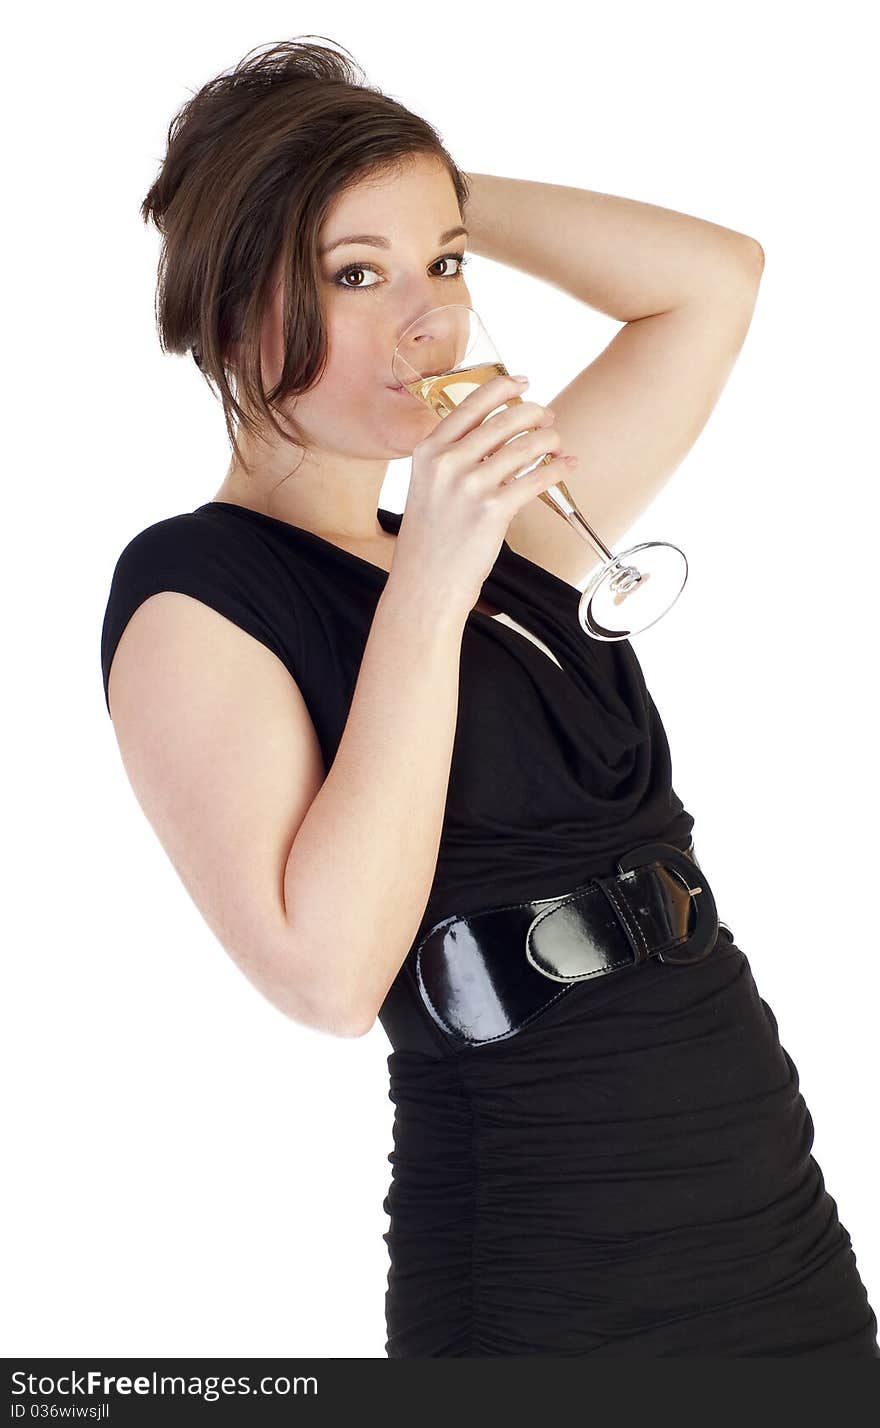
(370, 294)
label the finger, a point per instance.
(477, 405)
(514, 420)
(525, 488)
(522, 451)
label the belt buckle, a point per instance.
(705, 933)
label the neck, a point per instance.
(340, 508)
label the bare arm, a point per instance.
(360, 869)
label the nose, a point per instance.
(425, 350)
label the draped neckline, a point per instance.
(390, 522)
(608, 674)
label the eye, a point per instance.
(343, 273)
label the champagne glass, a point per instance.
(442, 357)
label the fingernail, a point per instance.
(520, 379)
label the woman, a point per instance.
(399, 781)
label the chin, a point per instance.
(404, 436)
(398, 450)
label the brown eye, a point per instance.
(339, 278)
(355, 268)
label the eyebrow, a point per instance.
(375, 240)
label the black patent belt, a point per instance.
(477, 988)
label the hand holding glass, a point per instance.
(441, 357)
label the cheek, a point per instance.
(354, 350)
(352, 366)
(351, 386)
(358, 364)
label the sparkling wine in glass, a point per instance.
(442, 357)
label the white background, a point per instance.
(189, 1172)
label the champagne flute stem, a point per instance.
(560, 500)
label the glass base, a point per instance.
(633, 591)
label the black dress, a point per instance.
(631, 1174)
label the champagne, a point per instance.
(444, 391)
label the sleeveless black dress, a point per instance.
(631, 1174)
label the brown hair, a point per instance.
(253, 162)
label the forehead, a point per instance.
(419, 195)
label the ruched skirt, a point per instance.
(631, 1175)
